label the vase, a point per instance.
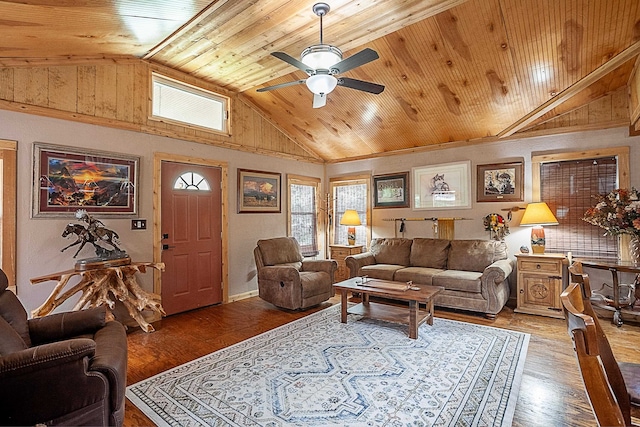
(634, 250)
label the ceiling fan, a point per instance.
(322, 62)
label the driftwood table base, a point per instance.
(103, 286)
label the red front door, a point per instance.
(191, 227)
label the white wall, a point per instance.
(39, 240)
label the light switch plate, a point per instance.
(138, 224)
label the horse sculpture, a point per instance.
(94, 236)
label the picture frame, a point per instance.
(68, 178)
(259, 191)
(391, 190)
(500, 182)
(444, 186)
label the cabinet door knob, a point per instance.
(538, 266)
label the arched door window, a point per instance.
(191, 181)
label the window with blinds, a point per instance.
(568, 188)
(350, 194)
(303, 213)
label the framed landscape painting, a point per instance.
(391, 190)
(67, 179)
(500, 182)
(259, 192)
(445, 186)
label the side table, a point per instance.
(540, 284)
(339, 253)
(102, 286)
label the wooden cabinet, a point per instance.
(339, 253)
(540, 284)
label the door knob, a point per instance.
(165, 247)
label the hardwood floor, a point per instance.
(551, 393)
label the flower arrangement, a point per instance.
(617, 212)
(496, 226)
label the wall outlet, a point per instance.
(138, 224)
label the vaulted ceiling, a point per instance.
(453, 70)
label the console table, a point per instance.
(615, 267)
(102, 285)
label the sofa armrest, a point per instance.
(41, 383)
(498, 271)
(495, 285)
(357, 261)
(326, 265)
(61, 326)
(279, 273)
(111, 360)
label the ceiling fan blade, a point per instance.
(281, 85)
(319, 100)
(293, 61)
(360, 85)
(360, 58)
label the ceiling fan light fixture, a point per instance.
(321, 83)
(321, 56)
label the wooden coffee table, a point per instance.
(414, 315)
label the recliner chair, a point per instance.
(286, 281)
(62, 369)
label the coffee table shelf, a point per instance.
(389, 313)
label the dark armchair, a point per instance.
(67, 368)
(286, 281)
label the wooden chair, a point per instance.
(605, 380)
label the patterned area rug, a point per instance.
(317, 371)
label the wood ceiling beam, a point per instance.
(615, 62)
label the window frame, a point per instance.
(345, 181)
(622, 155)
(195, 90)
(311, 182)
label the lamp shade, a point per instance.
(538, 214)
(350, 217)
(321, 83)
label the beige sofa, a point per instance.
(474, 273)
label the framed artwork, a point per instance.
(445, 186)
(391, 190)
(67, 179)
(500, 182)
(259, 192)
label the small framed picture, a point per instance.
(259, 192)
(391, 190)
(500, 182)
(444, 186)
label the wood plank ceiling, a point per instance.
(454, 70)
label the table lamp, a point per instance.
(351, 218)
(538, 214)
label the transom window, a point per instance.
(191, 181)
(179, 102)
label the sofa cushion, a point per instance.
(280, 250)
(431, 253)
(13, 312)
(10, 340)
(455, 280)
(418, 275)
(380, 271)
(391, 250)
(475, 255)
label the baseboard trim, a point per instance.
(242, 296)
